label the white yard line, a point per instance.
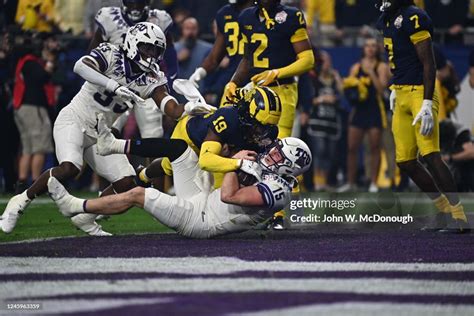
(25, 289)
(199, 265)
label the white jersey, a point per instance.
(93, 99)
(228, 218)
(114, 24)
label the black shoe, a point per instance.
(456, 226)
(138, 180)
(276, 223)
(20, 186)
(437, 223)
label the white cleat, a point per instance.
(13, 211)
(107, 144)
(86, 223)
(68, 204)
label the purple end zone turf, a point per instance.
(293, 245)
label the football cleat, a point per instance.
(86, 223)
(275, 223)
(13, 211)
(437, 223)
(456, 226)
(107, 144)
(68, 205)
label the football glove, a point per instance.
(199, 74)
(265, 78)
(230, 91)
(196, 108)
(252, 168)
(393, 97)
(126, 94)
(426, 117)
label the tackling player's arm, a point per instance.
(210, 158)
(232, 193)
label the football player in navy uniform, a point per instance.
(228, 42)
(250, 124)
(407, 32)
(276, 49)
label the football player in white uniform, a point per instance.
(116, 79)
(197, 211)
(113, 23)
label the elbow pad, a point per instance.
(303, 63)
(210, 159)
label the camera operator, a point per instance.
(458, 151)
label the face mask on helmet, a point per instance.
(136, 10)
(289, 156)
(145, 44)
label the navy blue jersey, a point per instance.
(224, 122)
(401, 32)
(228, 25)
(272, 48)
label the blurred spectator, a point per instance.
(7, 12)
(191, 50)
(355, 16)
(449, 15)
(321, 21)
(8, 131)
(458, 152)
(364, 89)
(36, 15)
(204, 11)
(69, 15)
(471, 68)
(324, 124)
(90, 10)
(447, 83)
(31, 96)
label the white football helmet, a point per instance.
(145, 44)
(289, 156)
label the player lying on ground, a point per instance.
(407, 37)
(198, 211)
(117, 78)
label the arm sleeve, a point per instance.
(210, 159)
(471, 59)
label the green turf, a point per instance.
(44, 220)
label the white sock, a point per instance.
(25, 197)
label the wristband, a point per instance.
(165, 100)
